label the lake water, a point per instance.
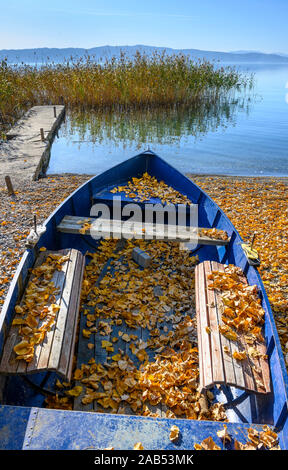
(246, 136)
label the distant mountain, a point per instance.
(246, 52)
(47, 55)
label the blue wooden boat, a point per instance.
(25, 422)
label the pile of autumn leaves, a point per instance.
(153, 375)
(147, 187)
(257, 440)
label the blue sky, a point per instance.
(222, 25)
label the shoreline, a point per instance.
(189, 175)
(238, 177)
(253, 204)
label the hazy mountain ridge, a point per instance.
(46, 55)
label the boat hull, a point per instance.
(242, 408)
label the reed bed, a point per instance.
(123, 83)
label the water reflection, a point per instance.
(243, 134)
(153, 126)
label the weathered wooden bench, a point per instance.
(216, 362)
(56, 352)
(81, 225)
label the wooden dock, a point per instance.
(26, 152)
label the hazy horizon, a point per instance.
(244, 51)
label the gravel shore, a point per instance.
(252, 204)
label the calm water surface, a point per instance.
(245, 135)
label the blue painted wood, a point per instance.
(222, 253)
(55, 429)
(272, 409)
(211, 210)
(13, 426)
(282, 428)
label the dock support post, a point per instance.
(42, 134)
(9, 186)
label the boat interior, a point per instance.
(34, 390)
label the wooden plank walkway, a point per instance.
(25, 154)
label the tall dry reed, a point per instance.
(124, 83)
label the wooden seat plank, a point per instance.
(222, 370)
(60, 324)
(260, 380)
(54, 353)
(42, 350)
(69, 339)
(75, 224)
(234, 370)
(6, 362)
(251, 374)
(202, 322)
(248, 375)
(198, 281)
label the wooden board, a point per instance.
(215, 365)
(55, 353)
(117, 228)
